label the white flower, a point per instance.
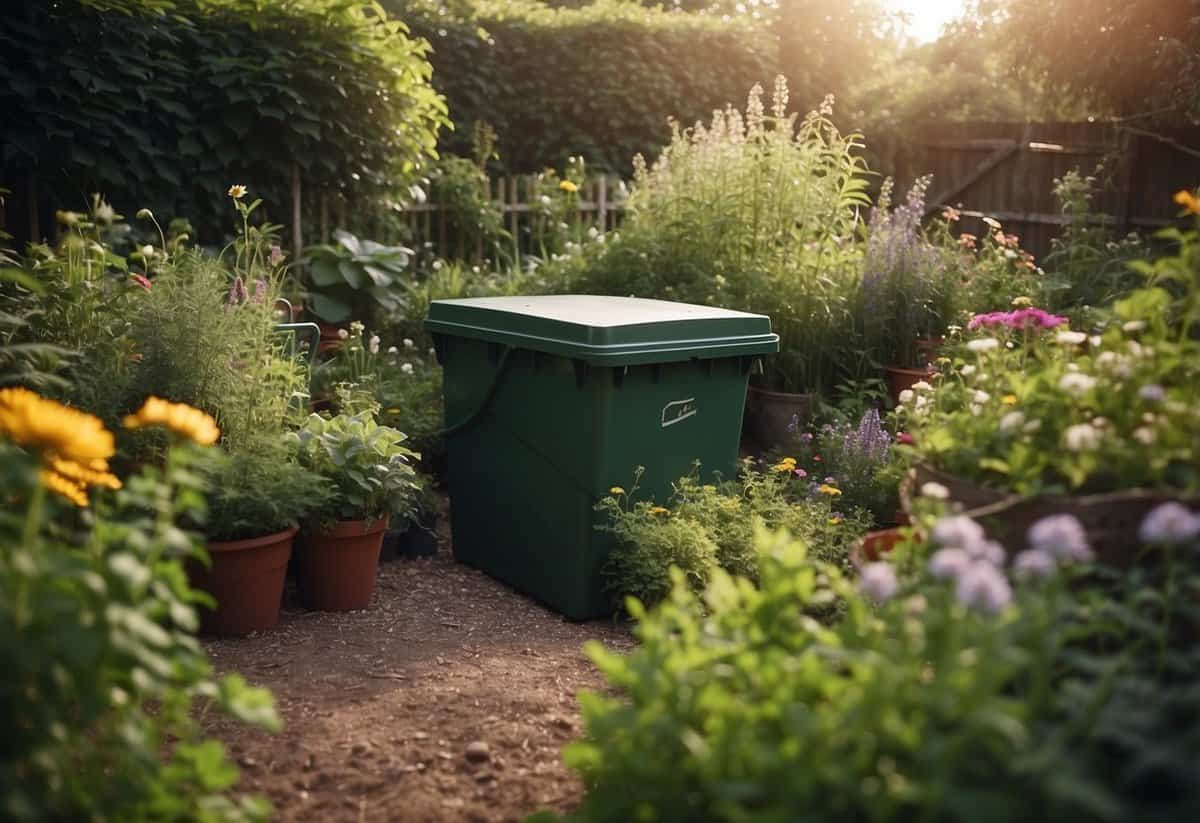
(1171, 523)
(980, 397)
(545, 200)
(1133, 326)
(1011, 422)
(356, 327)
(1070, 337)
(408, 343)
(432, 351)
(1144, 435)
(1152, 393)
(1060, 535)
(983, 344)
(1081, 437)
(947, 563)
(147, 251)
(1076, 383)
(437, 265)
(935, 490)
(1095, 340)
(906, 396)
(343, 334)
(373, 344)
(921, 385)
(957, 532)
(105, 213)
(1034, 563)
(982, 586)
(967, 370)
(407, 368)
(878, 582)
(393, 350)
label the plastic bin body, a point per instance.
(551, 401)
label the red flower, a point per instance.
(142, 280)
(905, 438)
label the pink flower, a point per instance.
(142, 280)
(967, 241)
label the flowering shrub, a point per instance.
(707, 526)
(959, 690)
(1036, 410)
(103, 674)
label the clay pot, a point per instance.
(875, 545)
(898, 379)
(246, 579)
(770, 415)
(337, 565)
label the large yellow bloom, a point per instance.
(1188, 201)
(568, 186)
(178, 417)
(74, 445)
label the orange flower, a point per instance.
(1188, 200)
(178, 417)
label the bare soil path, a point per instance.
(449, 699)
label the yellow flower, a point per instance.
(833, 521)
(832, 491)
(52, 428)
(568, 186)
(237, 192)
(178, 417)
(1188, 200)
(1009, 400)
(65, 488)
(658, 510)
(85, 475)
(616, 490)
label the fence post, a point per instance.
(602, 203)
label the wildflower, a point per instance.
(833, 521)
(878, 582)
(905, 438)
(1188, 201)
(1133, 326)
(237, 292)
(1076, 383)
(935, 490)
(921, 385)
(986, 551)
(1081, 437)
(827, 489)
(983, 344)
(64, 488)
(393, 350)
(1171, 524)
(616, 491)
(657, 510)
(147, 251)
(967, 370)
(568, 186)
(1009, 400)
(984, 587)
(1034, 563)
(906, 396)
(408, 343)
(237, 192)
(948, 563)
(53, 429)
(1152, 393)
(276, 256)
(104, 212)
(958, 531)
(343, 334)
(373, 344)
(142, 280)
(951, 215)
(1022, 302)
(980, 397)
(801, 473)
(1070, 337)
(1011, 422)
(992, 223)
(407, 368)
(1144, 435)
(178, 417)
(1060, 535)
(967, 241)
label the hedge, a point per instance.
(165, 103)
(597, 81)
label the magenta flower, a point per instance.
(1030, 318)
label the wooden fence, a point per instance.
(1007, 171)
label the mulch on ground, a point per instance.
(449, 699)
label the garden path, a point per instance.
(384, 709)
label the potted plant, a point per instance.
(255, 500)
(372, 478)
(351, 276)
(1032, 417)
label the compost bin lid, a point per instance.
(605, 331)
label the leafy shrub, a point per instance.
(356, 278)
(369, 468)
(103, 674)
(703, 527)
(410, 398)
(202, 93)
(925, 701)
(753, 212)
(547, 79)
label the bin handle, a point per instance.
(467, 421)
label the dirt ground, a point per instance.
(449, 699)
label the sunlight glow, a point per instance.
(926, 17)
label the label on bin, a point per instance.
(677, 411)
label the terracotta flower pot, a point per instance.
(338, 565)
(875, 545)
(898, 379)
(246, 579)
(770, 415)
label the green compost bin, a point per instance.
(551, 401)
